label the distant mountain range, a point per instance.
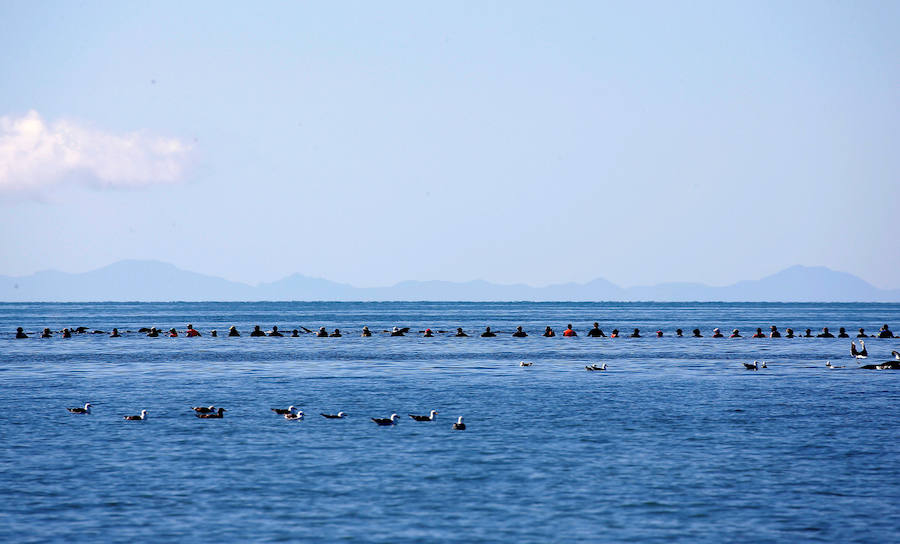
(157, 281)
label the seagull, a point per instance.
(339, 415)
(754, 366)
(291, 416)
(283, 411)
(523, 363)
(862, 354)
(85, 410)
(384, 422)
(141, 417)
(829, 365)
(429, 417)
(595, 367)
(459, 425)
(203, 409)
(215, 415)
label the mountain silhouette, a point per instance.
(135, 280)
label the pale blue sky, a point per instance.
(514, 142)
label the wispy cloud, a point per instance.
(35, 154)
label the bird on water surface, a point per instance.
(141, 417)
(429, 417)
(862, 354)
(384, 422)
(219, 414)
(459, 425)
(86, 410)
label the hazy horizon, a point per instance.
(514, 143)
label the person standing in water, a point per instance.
(569, 331)
(596, 332)
(519, 333)
(548, 332)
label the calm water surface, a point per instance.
(675, 442)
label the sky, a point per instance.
(531, 142)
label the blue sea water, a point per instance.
(675, 442)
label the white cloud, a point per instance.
(35, 154)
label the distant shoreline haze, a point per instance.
(154, 281)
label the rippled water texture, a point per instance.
(675, 442)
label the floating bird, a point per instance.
(754, 366)
(292, 416)
(339, 415)
(141, 417)
(429, 417)
(523, 363)
(203, 409)
(459, 425)
(896, 355)
(384, 422)
(282, 411)
(863, 354)
(85, 410)
(595, 367)
(829, 365)
(219, 414)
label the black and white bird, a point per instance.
(284, 411)
(294, 416)
(754, 366)
(384, 422)
(203, 409)
(896, 355)
(339, 415)
(218, 414)
(429, 417)
(523, 363)
(595, 367)
(141, 417)
(459, 425)
(84, 411)
(862, 354)
(829, 365)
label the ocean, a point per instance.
(675, 442)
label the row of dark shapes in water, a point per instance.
(595, 332)
(290, 413)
